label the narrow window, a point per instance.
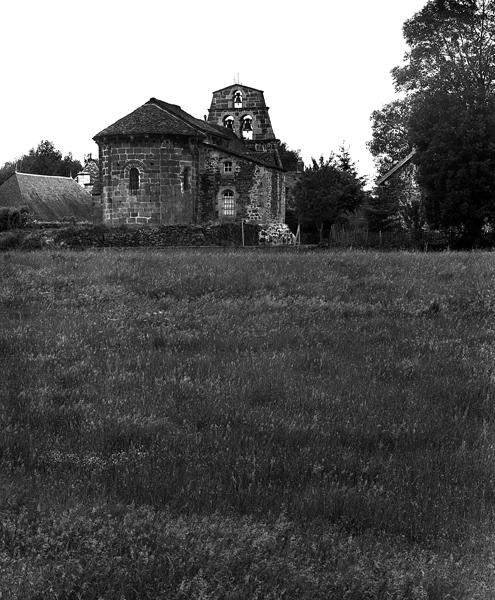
(228, 209)
(227, 166)
(238, 99)
(133, 180)
(229, 122)
(186, 181)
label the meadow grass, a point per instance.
(225, 424)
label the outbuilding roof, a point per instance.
(48, 198)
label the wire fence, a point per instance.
(341, 236)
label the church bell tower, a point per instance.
(243, 109)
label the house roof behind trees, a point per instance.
(397, 167)
(48, 197)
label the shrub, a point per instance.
(14, 218)
(33, 241)
(10, 239)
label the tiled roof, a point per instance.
(149, 119)
(49, 198)
(268, 158)
(177, 111)
(159, 117)
(256, 157)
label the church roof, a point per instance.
(48, 197)
(160, 117)
(269, 157)
(177, 111)
(150, 118)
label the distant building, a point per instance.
(48, 198)
(89, 174)
(159, 164)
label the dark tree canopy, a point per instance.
(44, 160)
(448, 79)
(456, 162)
(289, 158)
(328, 191)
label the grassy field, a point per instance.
(246, 425)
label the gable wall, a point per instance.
(259, 191)
(10, 194)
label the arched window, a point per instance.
(133, 180)
(228, 121)
(228, 204)
(227, 166)
(247, 127)
(238, 99)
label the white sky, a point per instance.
(69, 70)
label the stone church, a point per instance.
(160, 165)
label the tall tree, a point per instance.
(449, 79)
(327, 192)
(289, 158)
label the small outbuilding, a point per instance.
(48, 197)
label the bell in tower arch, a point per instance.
(237, 100)
(247, 128)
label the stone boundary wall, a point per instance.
(100, 236)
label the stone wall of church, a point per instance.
(258, 191)
(181, 182)
(167, 181)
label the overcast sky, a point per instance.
(69, 70)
